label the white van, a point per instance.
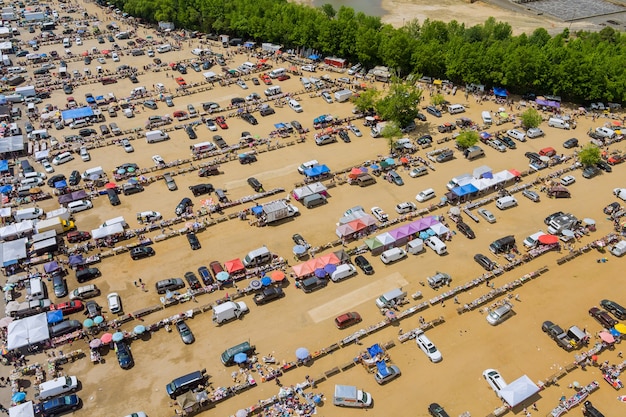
(456, 108)
(113, 221)
(390, 298)
(84, 154)
(305, 82)
(516, 134)
(474, 152)
(30, 213)
(343, 271)
(506, 202)
(156, 136)
(309, 164)
(80, 205)
(62, 158)
(164, 48)
(277, 72)
(558, 123)
(31, 181)
(295, 106)
(79, 124)
(486, 116)
(437, 245)
(257, 257)
(228, 311)
(94, 173)
(273, 90)
(425, 195)
(16, 70)
(67, 43)
(36, 289)
(392, 255)
(57, 386)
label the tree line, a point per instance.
(580, 66)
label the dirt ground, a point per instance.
(468, 344)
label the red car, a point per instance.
(283, 77)
(266, 79)
(76, 236)
(68, 307)
(616, 159)
(221, 122)
(181, 81)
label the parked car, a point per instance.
(141, 252)
(65, 327)
(589, 172)
(386, 374)
(92, 309)
(395, 178)
(495, 380)
(169, 181)
(436, 410)
(255, 184)
(466, 230)
(57, 406)
(602, 317)
(124, 357)
(192, 280)
(59, 285)
(114, 302)
(185, 332)
(364, 264)
(68, 307)
(487, 215)
(433, 111)
(205, 275)
(418, 171)
(570, 143)
(446, 155)
(193, 241)
(268, 294)
(347, 319)
(405, 207)
(86, 291)
(183, 205)
(568, 180)
(77, 236)
(190, 132)
(428, 347)
(614, 308)
(531, 195)
(485, 262)
(499, 314)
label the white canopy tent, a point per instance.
(519, 390)
(22, 410)
(12, 251)
(27, 331)
(439, 229)
(103, 232)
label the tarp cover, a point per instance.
(22, 410)
(103, 232)
(500, 92)
(77, 113)
(28, 331)
(519, 390)
(13, 251)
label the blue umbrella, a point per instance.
(302, 353)
(299, 249)
(60, 184)
(255, 284)
(139, 329)
(265, 281)
(118, 336)
(88, 323)
(363, 169)
(222, 276)
(240, 357)
(6, 189)
(374, 167)
(390, 161)
(614, 332)
(424, 235)
(330, 268)
(98, 319)
(317, 399)
(320, 273)
(18, 397)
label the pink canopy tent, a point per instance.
(344, 230)
(302, 269)
(329, 258)
(234, 266)
(368, 220)
(357, 225)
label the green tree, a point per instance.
(437, 99)
(400, 104)
(589, 154)
(530, 118)
(328, 10)
(391, 132)
(366, 101)
(467, 138)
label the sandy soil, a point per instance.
(469, 345)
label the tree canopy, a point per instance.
(589, 154)
(530, 118)
(580, 66)
(467, 138)
(399, 105)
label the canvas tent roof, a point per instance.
(519, 390)
(478, 172)
(13, 251)
(77, 113)
(28, 331)
(12, 144)
(22, 410)
(102, 232)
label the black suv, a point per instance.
(364, 264)
(466, 230)
(249, 118)
(268, 294)
(436, 410)
(200, 189)
(113, 198)
(311, 284)
(193, 241)
(141, 252)
(129, 189)
(87, 132)
(191, 133)
(57, 178)
(220, 142)
(485, 262)
(614, 308)
(182, 206)
(255, 184)
(192, 280)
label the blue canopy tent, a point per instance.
(54, 316)
(6, 189)
(257, 210)
(500, 92)
(465, 190)
(375, 350)
(78, 113)
(90, 100)
(249, 44)
(280, 126)
(60, 184)
(4, 165)
(316, 171)
(314, 57)
(382, 368)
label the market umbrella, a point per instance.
(9, 286)
(95, 343)
(98, 319)
(568, 233)
(110, 185)
(240, 357)
(614, 333)
(4, 321)
(606, 337)
(621, 327)
(222, 276)
(576, 384)
(548, 239)
(241, 413)
(265, 281)
(302, 353)
(299, 249)
(277, 275)
(88, 323)
(51, 266)
(255, 284)
(588, 221)
(121, 171)
(374, 167)
(18, 397)
(139, 329)
(117, 337)
(330, 268)
(320, 273)
(106, 338)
